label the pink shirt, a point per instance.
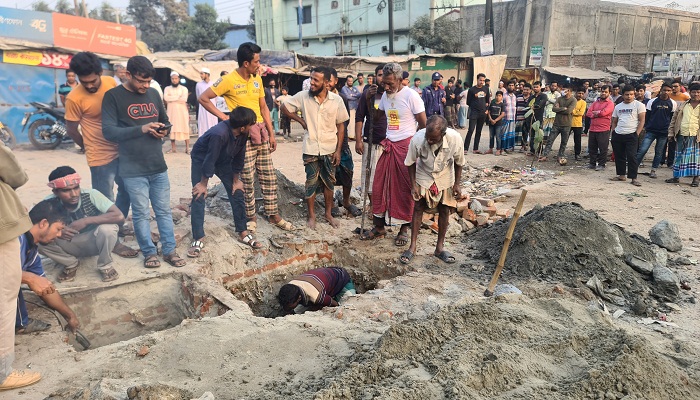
(601, 122)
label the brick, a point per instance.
(482, 219)
(495, 218)
(490, 210)
(461, 205)
(503, 213)
(469, 215)
(485, 202)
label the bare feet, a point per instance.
(311, 222)
(124, 251)
(334, 223)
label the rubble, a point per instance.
(666, 235)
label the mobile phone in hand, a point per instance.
(164, 128)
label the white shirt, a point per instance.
(628, 116)
(439, 168)
(401, 109)
(463, 97)
(321, 119)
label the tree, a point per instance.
(203, 31)
(161, 22)
(251, 24)
(63, 7)
(444, 39)
(41, 5)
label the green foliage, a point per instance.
(251, 25)
(446, 38)
(161, 22)
(63, 7)
(41, 5)
(203, 31)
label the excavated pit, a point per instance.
(122, 312)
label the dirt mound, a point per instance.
(545, 349)
(564, 243)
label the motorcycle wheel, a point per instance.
(35, 134)
(7, 137)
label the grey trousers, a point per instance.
(556, 131)
(10, 280)
(97, 242)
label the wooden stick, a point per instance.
(506, 244)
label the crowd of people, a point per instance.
(412, 159)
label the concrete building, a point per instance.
(236, 35)
(589, 34)
(337, 27)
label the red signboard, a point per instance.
(87, 34)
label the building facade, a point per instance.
(336, 27)
(587, 34)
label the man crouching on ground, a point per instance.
(48, 219)
(434, 160)
(91, 230)
(315, 289)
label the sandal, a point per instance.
(373, 234)
(353, 210)
(195, 248)
(251, 226)
(618, 179)
(67, 275)
(151, 262)
(672, 180)
(336, 213)
(284, 225)
(124, 251)
(126, 231)
(175, 260)
(109, 274)
(250, 241)
(33, 325)
(401, 240)
(636, 183)
(694, 184)
(446, 257)
(542, 159)
(406, 257)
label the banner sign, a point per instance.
(93, 35)
(486, 45)
(26, 25)
(49, 59)
(536, 55)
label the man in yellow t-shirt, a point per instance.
(244, 88)
(84, 109)
(577, 121)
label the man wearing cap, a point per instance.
(205, 119)
(175, 98)
(434, 97)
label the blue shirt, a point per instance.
(659, 113)
(219, 150)
(352, 95)
(432, 97)
(29, 255)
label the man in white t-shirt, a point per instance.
(627, 125)
(405, 113)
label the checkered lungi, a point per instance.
(259, 159)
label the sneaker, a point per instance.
(577, 158)
(591, 166)
(652, 174)
(20, 378)
(600, 168)
(33, 325)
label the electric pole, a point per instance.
(391, 26)
(488, 27)
(432, 16)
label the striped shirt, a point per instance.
(319, 286)
(510, 106)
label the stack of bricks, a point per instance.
(490, 213)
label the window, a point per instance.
(399, 5)
(305, 14)
(334, 4)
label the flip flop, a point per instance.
(406, 257)
(125, 251)
(618, 179)
(68, 275)
(672, 180)
(353, 210)
(284, 225)
(110, 274)
(250, 241)
(373, 234)
(695, 184)
(195, 249)
(446, 256)
(636, 183)
(336, 213)
(401, 240)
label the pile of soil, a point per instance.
(563, 243)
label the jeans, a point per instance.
(556, 131)
(274, 114)
(625, 150)
(661, 139)
(598, 147)
(577, 140)
(496, 134)
(237, 201)
(156, 190)
(477, 123)
(103, 179)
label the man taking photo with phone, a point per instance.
(133, 116)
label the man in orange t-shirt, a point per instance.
(84, 110)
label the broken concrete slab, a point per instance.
(639, 264)
(667, 284)
(666, 235)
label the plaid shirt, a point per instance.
(510, 106)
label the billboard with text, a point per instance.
(26, 25)
(93, 35)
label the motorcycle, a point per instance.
(7, 137)
(50, 130)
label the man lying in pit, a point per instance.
(315, 289)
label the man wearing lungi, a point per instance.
(685, 129)
(391, 199)
(324, 122)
